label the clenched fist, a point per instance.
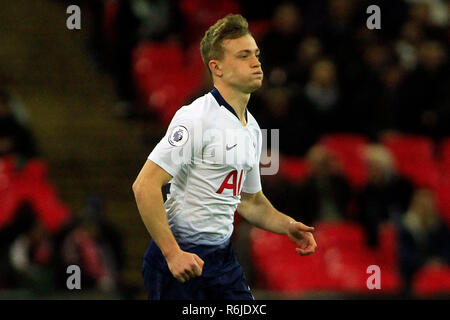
(184, 265)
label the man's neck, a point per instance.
(236, 99)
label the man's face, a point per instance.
(240, 66)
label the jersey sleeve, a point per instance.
(181, 145)
(252, 183)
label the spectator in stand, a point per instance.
(319, 103)
(364, 90)
(27, 237)
(386, 195)
(105, 233)
(436, 11)
(278, 44)
(276, 111)
(338, 28)
(25, 219)
(426, 107)
(383, 111)
(30, 257)
(126, 37)
(95, 245)
(424, 239)
(406, 46)
(309, 51)
(160, 20)
(139, 20)
(430, 16)
(326, 194)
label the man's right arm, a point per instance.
(147, 191)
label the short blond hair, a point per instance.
(232, 26)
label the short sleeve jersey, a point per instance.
(212, 157)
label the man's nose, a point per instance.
(256, 63)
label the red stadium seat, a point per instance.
(445, 150)
(164, 86)
(151, 62)
(30, 184)
(7, 172)
(348, 148)
(348, 251)
(293, 169)
(442, 192)
(35, 188)
(386, 253)
(51, 211)
(414, 158)
(9, 190)
(173, 91)
(278, 267)
(201, 14)
(444, 159)
(339, 264)
(432, 281)
(158, 56)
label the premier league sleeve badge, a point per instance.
(178, 136)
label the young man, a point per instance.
(210, 155)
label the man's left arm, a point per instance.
(258, 211)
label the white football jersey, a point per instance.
(211, 157)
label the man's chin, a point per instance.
(249, 87)
(255, 86)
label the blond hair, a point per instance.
(232, 26)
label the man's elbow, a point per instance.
(139, 188)
(145, 188)
(244, 208)
(135, 186)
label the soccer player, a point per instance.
(210, 155)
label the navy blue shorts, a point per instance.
(222, 277)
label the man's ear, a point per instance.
(215, 68)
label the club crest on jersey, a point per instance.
(179, 136)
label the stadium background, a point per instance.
(364, 141)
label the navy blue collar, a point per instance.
(221, 101)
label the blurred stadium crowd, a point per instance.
(39, 235)
(364, 141)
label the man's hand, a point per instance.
(184, 265)
(302, 236)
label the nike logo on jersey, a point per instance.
(229, 148)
